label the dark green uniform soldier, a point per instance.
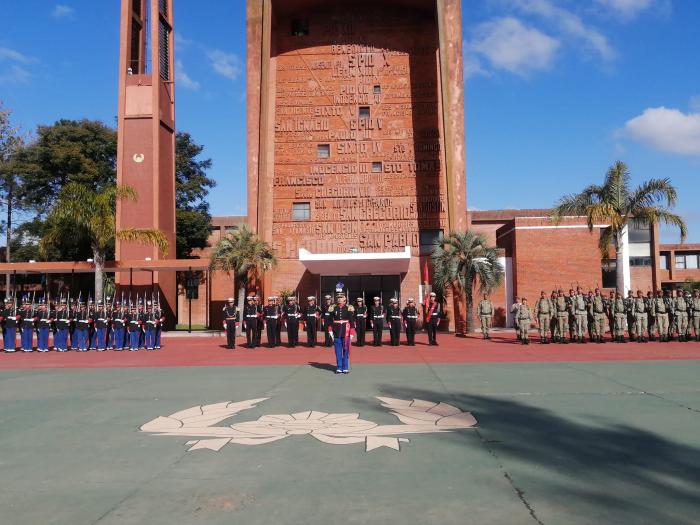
(377, 315)
(361, 315)
(312, 313)
(292, 315)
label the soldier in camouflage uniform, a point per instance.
(580, 310)
(661, 308)
(543, 313)
(514, 313)
(562, 310)
(609, 312)
(689, 323)
(631, 319)
(619, 311)
(554, 323)
(651, 319)
(695, 309)
(485, 313)
(590, 318)
(680, 310)
(598, 313)
(641, 316)
(524, 316)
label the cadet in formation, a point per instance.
(231, 320)
(485, 312)
(341, 329)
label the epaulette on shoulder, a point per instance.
(351, 308)
(331, 308)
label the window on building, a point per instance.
(301, 211)
(427, 240)
(364, 112)
(680, 262)
(376, 167)
(300, 27)
(640, 261)
(323, 151)
(164, 50)
(377, 90)
(691, 262)
(639, 233)
(663, 261)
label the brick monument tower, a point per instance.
(356, 156)
(146, 138)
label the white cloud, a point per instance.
(665, 129)
(626, 8)
(695, 103)
(225, 64)
(511, 46)
(569, 24)
(183, 79)
(15, 56)
(181, 43)
(14, 75)
(63, 11)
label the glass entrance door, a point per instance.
(367, 286)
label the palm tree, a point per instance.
(244, 254)
(461, 262)
(82, 211)
(615, 203)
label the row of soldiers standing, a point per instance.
(662, 315)
(311, 318)
(81, 326)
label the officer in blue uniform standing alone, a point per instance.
(341, 329)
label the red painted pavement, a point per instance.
(210, 351)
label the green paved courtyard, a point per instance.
(581, 443)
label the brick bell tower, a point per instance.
(146, 141)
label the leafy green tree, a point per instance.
(11, 192)
(616, 203)
(92, 215)
(243, 254)
(69, 151)
(192, 187)
(463, 261)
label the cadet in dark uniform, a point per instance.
(410, 318)
(341, 329)
(63, 322)
(160, 321)
(250, 322)
(325, 320)
(118, 328)
(432, 319)
(361, 313)
(272, 315)
(149, 325)
(44, 322)
(230, 322)
(312, 313)
(393, 317)
(101, 327)
(261, 320)
(27, 325)
(92, 333)
(9, 326)
(79, 341)
(292, 314)
(377, 314)
(134, 327)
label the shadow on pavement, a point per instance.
(603, 473)
(322, 366)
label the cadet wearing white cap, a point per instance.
(432, 318)
(377, 314)
(410, 318)
(292, 314)
(326, 319)
(393, 317)
(312, 313)
(230, 321)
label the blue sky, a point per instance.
(556, 90)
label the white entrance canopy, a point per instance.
(390, 263)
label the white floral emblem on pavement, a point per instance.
(417, 417)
